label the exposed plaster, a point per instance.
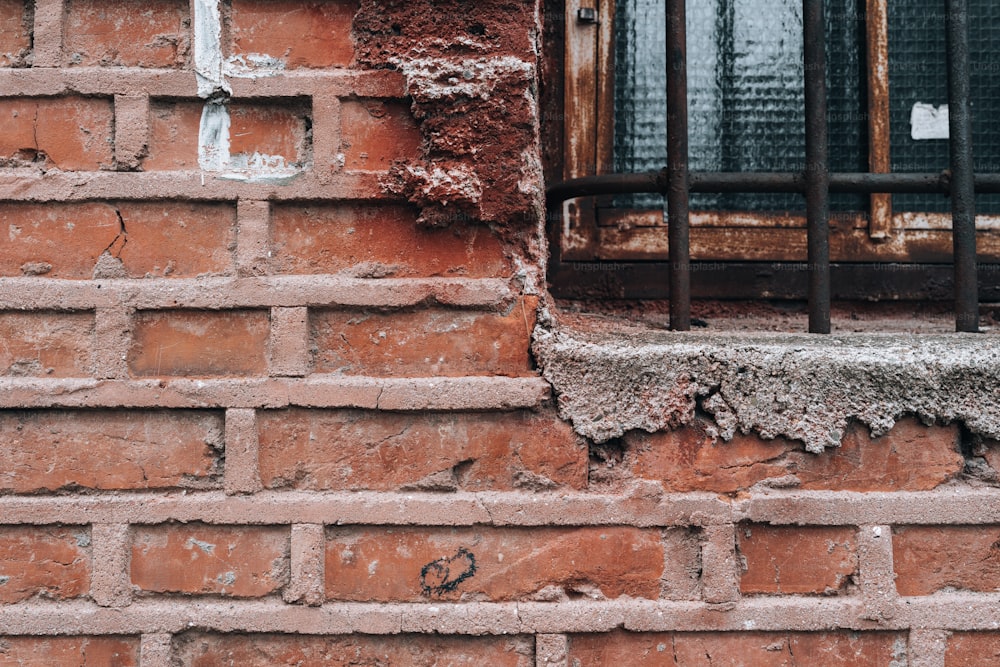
(791, 385)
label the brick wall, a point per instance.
(269, 273)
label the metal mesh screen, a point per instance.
(918, 75)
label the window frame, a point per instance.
(911, 251)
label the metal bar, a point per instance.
(877, 33)
(707, 181)
(817, 166)
(963, 199)
(677, 168)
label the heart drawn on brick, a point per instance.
(445, 574)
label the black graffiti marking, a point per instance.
(438, 578)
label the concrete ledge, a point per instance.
(796, 386)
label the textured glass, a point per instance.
(745, 92)
(918, 73)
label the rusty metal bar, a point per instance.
(789, 182)
(677, 168)
(963, 199)
(879, 161)
(817, 172)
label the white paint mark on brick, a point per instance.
(253, 65)
(213, 137)
(208, 49)
(928, 121)
(207, 547)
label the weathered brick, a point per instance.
(208, 650)
(413, 564)
(47, 450)
(376, 132)
(911, 457)
(173, 135)
(760, 649)
(424, 342)
(151, 33)
(268, 129)
(43, 562)
(315, 33)
(206, 343)
(271, 131)
(932, 558)
(797, 559)
(117, 240)
(70, 651)
(57, 240)
(244, 561)
(177, 239)
(16, 18)
(379, 241)
(357, 450)
(68, 133)
(972, 649)
(46, 344)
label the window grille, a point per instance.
(815, 182)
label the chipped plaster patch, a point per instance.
(795, 386)
(443, 78)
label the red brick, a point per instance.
(424, 342)
(67, 240)
(414, 564)
(15, 32)
(45, 344)
(797, 559)
(43, 562)
(721, 649)
(379, 241)
(48, 450)
(150, 33)
(68, 133)
(242, 561)
(973, 649)
(70, 651)
(177, 239)
(194, 342)
(358, 450)
(911, 457)
(173, 135)
(56, 240)
(374, 133)
(315, 33)
(207, 650)
(269, 129)
(932, 558)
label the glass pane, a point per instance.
(918, 75)
(745, 90)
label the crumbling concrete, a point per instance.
(792, 385)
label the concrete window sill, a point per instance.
(612, 379)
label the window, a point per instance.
(886, 80)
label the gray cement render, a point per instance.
(797, 386)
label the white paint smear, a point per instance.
(208, 48)
(213, 137)
(929, 122)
